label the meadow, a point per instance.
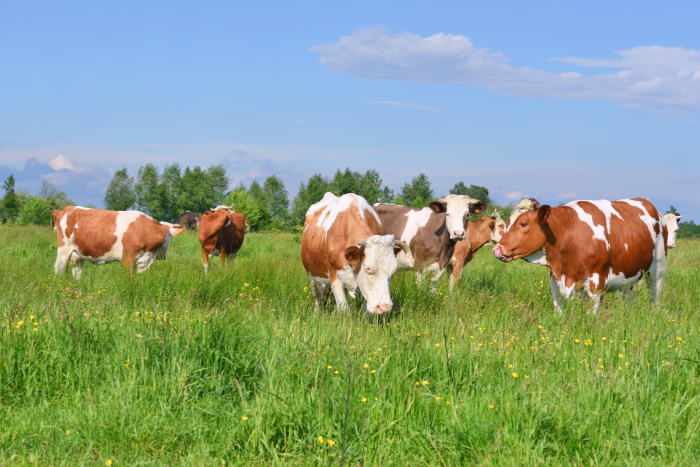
(175, 367)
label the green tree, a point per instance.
(55, 198)
(170, 194)
(673, 210)
(255, 213)
(120, 194)
(473, 191)
(147, 191)
(386, 195)
(37, 211)
(277, 199)
(417, 193)
(370, 186)
(10, 204)
(308, 194)
(345, 182)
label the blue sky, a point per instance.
(557, 100)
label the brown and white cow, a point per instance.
(221, 233)
(189, 220)
(672, 225)
(343, 247)
(479, 233)
(591, 245)
(430, 232)
(99, 236)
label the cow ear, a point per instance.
(438, 207)
(177, 232)
(353, 254)
(477, 208)
(535, 203)
(543, 213)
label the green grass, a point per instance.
(177, 367)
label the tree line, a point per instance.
(165, 195)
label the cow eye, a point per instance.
(523, 224)
(368, 269)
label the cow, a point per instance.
(99, 236)
(430, 232)
(672, 225)
(592, 246)
(344, 248)
(188, 219)
(221, 233)
(479, 233)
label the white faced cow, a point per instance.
(100, 236)
(591, 245)
(672, 225)
(431, 232)
(343, 247)
(479, 233)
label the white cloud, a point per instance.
(61, 162)
(654, 78)
(515, 195)
(407, 105)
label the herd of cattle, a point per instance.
(349, 246)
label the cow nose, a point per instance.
(672, 245)
(382, 308)
(458, 234)
(497, 252)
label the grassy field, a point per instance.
(176, 367)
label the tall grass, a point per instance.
(173, 366)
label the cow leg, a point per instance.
(62, 258)
(205, 258)
(434, 272)
(339, 294)
(657, 272)
(77, 267)
(320, 294)
(557, 297)
(144, 262)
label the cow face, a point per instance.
(457, 209)
(672, 225)
(374, 262)
(525, 237)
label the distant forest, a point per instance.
(165, 195)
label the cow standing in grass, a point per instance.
(344, 248)
(189, 220)
(221, 233)
(430, 232)
(591, 246)
(99, 236)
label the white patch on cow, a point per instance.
(349, 279)
(595, 279)
(416, 220)
(335, 205)
(116, 253)
(620, 281)
(598, 230)
(645, 217)
(538, 257)
(626, 247)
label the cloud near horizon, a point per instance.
(654, 78)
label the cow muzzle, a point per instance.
(382, 308)
(671, 244)
(498, 253)
(457, 235)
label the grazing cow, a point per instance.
(221, 232)
(591, 245)
(479, 233)
(343, 247)
(100, 236)
(189, 220)
(672, 225)
(431, 232)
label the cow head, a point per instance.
(525, 237)
(499, 228)
(672, 225)
(172, 231)
(374, 261)
(525, 204)
(457, 209)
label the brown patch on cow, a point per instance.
(94, 230)
(142, 235)
(477, 208)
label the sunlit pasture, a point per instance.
(173, 366)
